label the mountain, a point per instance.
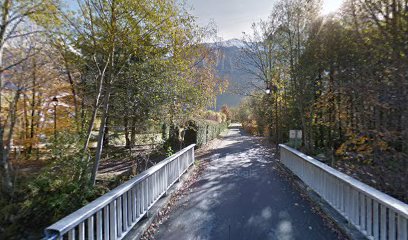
(232, 43)
(229, 55)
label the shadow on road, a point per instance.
(242, 196)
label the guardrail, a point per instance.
(114, 214)
(374, 213)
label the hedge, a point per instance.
(201, 132)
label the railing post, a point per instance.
(71, 234)
(166, 178)
(91, 229)
(179, 167)
(402, 228)
(112, 220)
(99, 226)
(391, 223)
(192, 154)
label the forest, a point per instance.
(87, 81)
(342, 79)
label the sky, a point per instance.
(231, 16)
(236, 16)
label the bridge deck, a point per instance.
(242, 196)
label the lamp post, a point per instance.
(55, 104)
(173, 109)
(173, 136)
(268, 90)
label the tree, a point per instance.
(342, 81)
(228, 113)
(272, 54)
(133, 62)
(16, 27)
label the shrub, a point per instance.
(201, 132)
(59, 189)
(215, 116)
(251, 127)
(227, 112)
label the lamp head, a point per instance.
(54, 101)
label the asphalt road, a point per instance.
(241, 196)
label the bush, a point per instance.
(201, 132)
(227, 113)
(59, 189)
(215, 116)
(251, 127)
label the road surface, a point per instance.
(241, 196)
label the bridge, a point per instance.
(242, 194)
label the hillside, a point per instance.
(228, 67)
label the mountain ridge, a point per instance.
(228, 67)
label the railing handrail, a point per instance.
(72, 220)
(386, 199)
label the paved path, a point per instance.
(242, 196)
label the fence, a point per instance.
(374, 213)
(114, 214)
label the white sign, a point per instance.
(292, 134)
(299, 134)
(295, 134)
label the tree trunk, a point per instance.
(26, 125)
(6, 176)
(5, 165)
(102, 128)
(106, 134)
(133, 132)
(33, 104)
(95, 107)
(73, 90)
(126, 125)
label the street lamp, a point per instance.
(269, 88)
(55, 104)
(173, 110)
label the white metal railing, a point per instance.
(114, 214)
(374, 213)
